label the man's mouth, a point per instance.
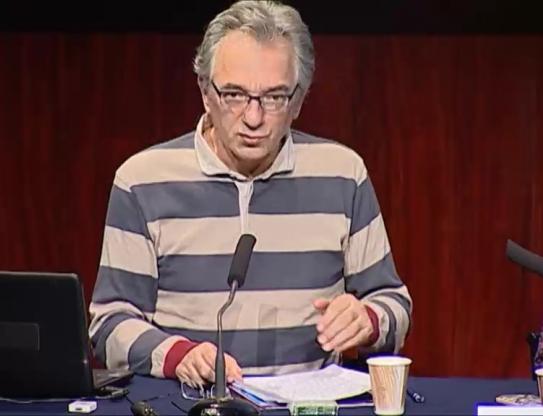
(252, 140)
(252, 137)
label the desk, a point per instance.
(444, 396)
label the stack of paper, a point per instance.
(330, 383)
(499, 410)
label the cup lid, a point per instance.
(389, 360)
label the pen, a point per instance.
(416, 397)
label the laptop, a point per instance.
(44, 345)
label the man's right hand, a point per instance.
(198, 366)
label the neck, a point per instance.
(248, 168)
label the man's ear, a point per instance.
(204, 89)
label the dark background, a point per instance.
(339, 16)
(444, 101)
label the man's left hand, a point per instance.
(344, 323)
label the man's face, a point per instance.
(251, 136)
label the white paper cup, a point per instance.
(539, 374)
(388, 377)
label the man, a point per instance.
(321, 279)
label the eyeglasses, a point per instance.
(199, 393)
(238, 100)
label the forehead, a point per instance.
(241, 59)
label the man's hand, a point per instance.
(198, 366)
(344, 323)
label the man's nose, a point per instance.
(253, 115)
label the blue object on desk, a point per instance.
(416, 397)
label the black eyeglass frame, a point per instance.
(258, 98)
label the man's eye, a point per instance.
(233, 95)
(274, 98)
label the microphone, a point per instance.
(221, 404)
(524, 258)
(236, 279)
(240, 260)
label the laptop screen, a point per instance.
(44, 346)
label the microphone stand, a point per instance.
(222, 404)
(220, 373)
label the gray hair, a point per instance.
(265, 20)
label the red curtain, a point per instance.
(450, 128)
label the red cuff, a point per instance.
(175, 356)
(375, 324)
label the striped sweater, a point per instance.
(174, 217)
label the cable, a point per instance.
(21, 401)
(179, 407)
(113, 393)
(149, 399)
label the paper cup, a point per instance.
(539, 374)
(388, 377)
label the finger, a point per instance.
(342, 321)
(205, 371)
(210, 359)
(321, 304)
(194, 375)
(232, 377)
(348, 345)
(233, 370)
(336, 307)
(233, 367)
(209, 355)
(356, 341)
(182, 374)
(352, 332)
(183, 371)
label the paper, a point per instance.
(497, 410)
(330, 383)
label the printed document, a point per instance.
(330, 383)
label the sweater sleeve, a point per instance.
(370, 272)
(124, 299)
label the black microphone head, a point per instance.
(524, 257)
(240, 260)
(510, 248)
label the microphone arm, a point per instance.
(220, 373)
(524, 258)
(221, 404)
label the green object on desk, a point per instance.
(313, 408)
